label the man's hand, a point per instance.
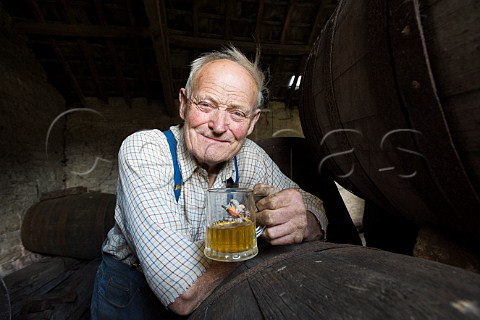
(284, 214)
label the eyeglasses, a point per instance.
(234, 113)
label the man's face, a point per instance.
(220, 112)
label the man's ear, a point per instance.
(255, 118)
(182, 97)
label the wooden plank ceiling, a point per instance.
(142, 49)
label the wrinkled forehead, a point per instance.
(227, 75)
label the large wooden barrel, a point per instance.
(321, 280)
(70, 226)
(391, 105)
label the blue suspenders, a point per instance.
(177, 176)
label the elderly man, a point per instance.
(153, 256)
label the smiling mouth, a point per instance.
(215, 139)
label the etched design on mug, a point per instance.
(231, 229)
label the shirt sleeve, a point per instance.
(152, 224)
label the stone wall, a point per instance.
(94, 135)
(28, 105)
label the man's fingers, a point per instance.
(267, 217)
(271, 237)
(275, 202)
(286, 233)
(263, 190)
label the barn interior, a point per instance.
(76, 68)
(79, 76)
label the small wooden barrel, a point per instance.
(321, 280)
(71, 226)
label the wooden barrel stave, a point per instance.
(455, 63)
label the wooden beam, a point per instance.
(59, 55)
(85, 31)
(286, 24)
(93, 70)
(66, 68)
(195, 17)
(138, 52)
(227, 22)
(273, 71)
(155, 13)
(36, 11)
(117, 65)
(267, 48)
(179, 40)
(86, 53)
(258, 23)
(68, 12)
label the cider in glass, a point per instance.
(230, 230)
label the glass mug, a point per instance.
(231, 233)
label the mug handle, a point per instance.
(259, 230)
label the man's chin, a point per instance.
(210, 158)
(213, 161)
(216, 155)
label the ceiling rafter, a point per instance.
(209, 43)
(195, 17)
(227, 21)
(286, 26)
(156, 13)
(117, 65)
(258, 22)
(59, 55)
(84, 31)
(125, 45)
(66, 68)
(286, 23)
(139, 54)
(126, 32)
(86, 51)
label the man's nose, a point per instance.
(219, 121)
